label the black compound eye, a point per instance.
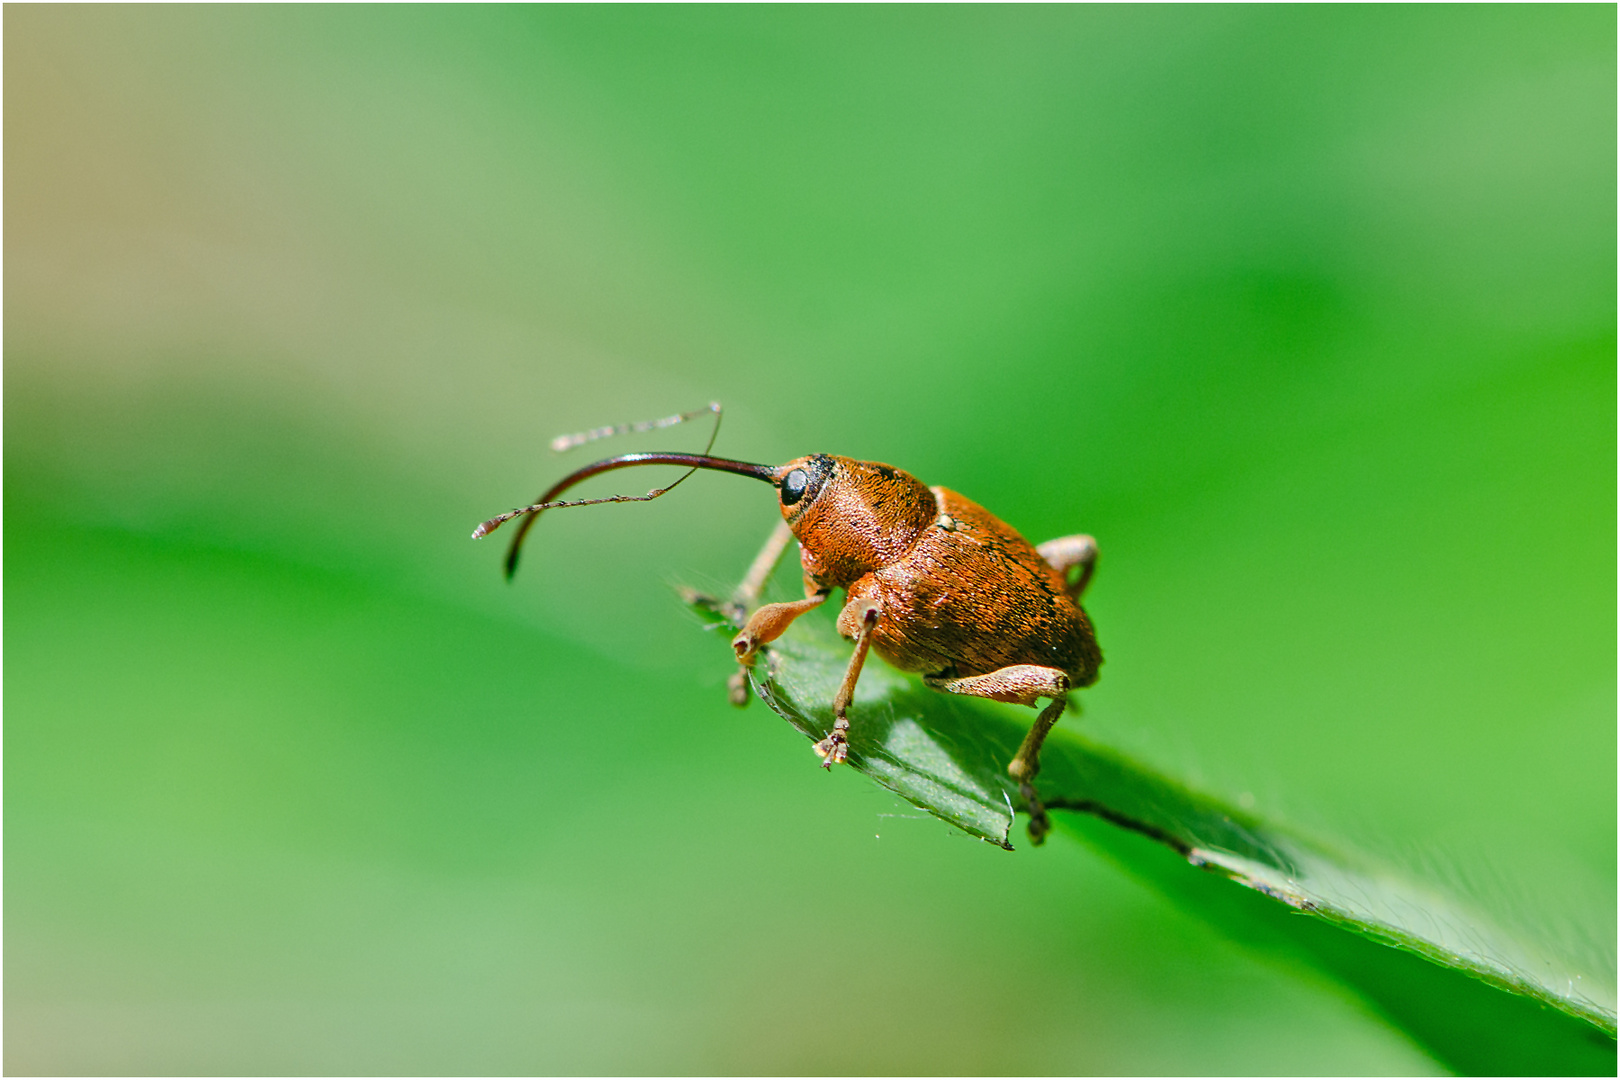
(794, 485)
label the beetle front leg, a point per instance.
(861, 616)
(746, 596)
(742, 604)
(765, 625)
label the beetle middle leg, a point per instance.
(1021, 684)
(1069, 552)
(858, 619)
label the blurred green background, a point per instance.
(1307, 313)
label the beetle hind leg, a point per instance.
(1066, 553)
(1021, 684)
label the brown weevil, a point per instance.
(934, 582)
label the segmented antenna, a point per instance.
(693, 462)
(557, 504)
(568, 442)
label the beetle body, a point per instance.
(960, 591)
(935, 583)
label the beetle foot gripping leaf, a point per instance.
(833, 750)
(737, 691)
(1039, 823)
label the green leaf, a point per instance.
(1483, 998)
